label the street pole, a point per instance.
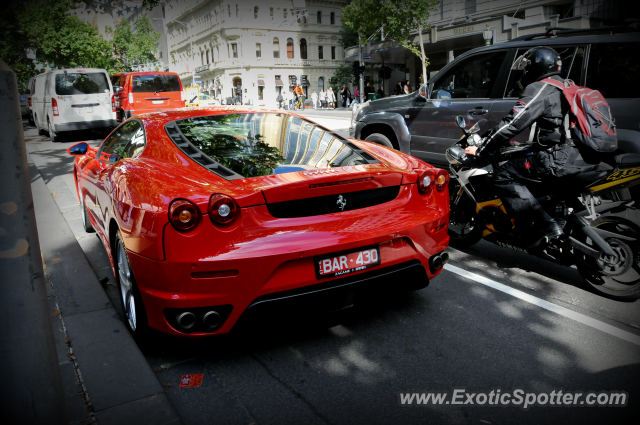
(360, 75)
(32, 392)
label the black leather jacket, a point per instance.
(541, 104)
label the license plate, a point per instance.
(348, 262)
(157, 102)
(85, 110)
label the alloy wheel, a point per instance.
(126, 287)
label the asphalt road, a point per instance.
(541, 330)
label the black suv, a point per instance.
(478, 85)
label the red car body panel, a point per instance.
(256, 254)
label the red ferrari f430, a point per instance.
(211, 216)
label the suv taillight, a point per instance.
(54, 107)
(131, 98)
(29, 102)
(184, 215)
(222, 209)
(113, 102)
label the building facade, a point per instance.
(251, 50)
(461, 25)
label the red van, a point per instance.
(140, 92)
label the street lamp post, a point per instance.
(488, 35)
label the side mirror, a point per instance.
(27, 91)
(117, 89)
(461, 123)
(114, 158)
(78, 149)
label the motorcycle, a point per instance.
(602, 232)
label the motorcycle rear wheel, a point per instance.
(622, 279)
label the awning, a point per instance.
(279, 82)
(261, 82)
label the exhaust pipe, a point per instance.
(186, 320)
(211, 319)
(438, 261)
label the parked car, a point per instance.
(142, 92)
(477, 85)
(209, 217)
(72, 99)
(24, 104)
(31, 88)
(206, 100)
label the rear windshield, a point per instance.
(262, 144)
(155, 83)
(81, 83)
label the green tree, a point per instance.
(133, 46)
(399, 19)
(342, 75)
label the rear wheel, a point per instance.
(40, 129)
(465, 228)
(380, 139)
(135, 317)
(619, 278)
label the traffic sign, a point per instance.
(193, 96)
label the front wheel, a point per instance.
(619, 278)
(380, 139)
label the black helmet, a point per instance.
(537, 63)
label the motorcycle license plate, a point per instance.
(347, 262)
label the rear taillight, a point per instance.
(29, 102)
(442, 180)
(426, 181)
(130, 97)
(54, 107)
(184, 215)
(113, 103)
(222, 209)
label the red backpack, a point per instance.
(590, 122)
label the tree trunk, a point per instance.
(424, 57)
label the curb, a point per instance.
(120, 384)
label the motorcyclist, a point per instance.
(543, 108)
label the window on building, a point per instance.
(258, 50)
(320, 84)
(207, 54)
(319, 17)
(320, 53)
(160, 54)
(201, 58)
(276, 48)
(255, 12)
(234, 49)
(290, 48)
(303, 48)
(271, 12)
(236, 10)
(332, 18)
(333, 52)
(304, 19)
(260, 92)
(284, 13)
(229, 9)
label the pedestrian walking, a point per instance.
(280, 99)
(368, 90)
(322, 98)
(356, 95)
(331, 98)
(344, 94)
(399, 89)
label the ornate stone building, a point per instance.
(254, 48)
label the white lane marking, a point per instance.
(578, 317)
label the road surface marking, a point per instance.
(578, 317)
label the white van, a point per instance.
(73, 99)
(31, 88)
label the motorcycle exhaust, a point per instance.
(186, 320)
(211, 319)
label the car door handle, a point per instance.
(478, 111)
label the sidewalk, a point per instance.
(106, 378)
